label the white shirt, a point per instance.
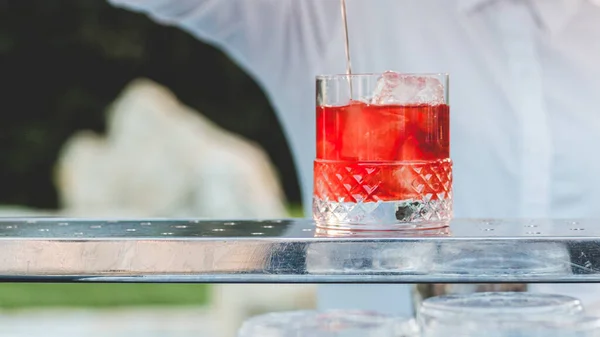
(524, 92)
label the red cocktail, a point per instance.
(383, 162)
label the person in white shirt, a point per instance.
(525, 75)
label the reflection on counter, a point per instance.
(336, 233)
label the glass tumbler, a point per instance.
(383, 152)
(504, 314)
(334, 323)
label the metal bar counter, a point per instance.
(292, 251)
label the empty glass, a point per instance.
(335, 323)
(505, 314)
(568, 326)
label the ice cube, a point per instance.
(397, 88)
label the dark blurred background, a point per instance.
(62, 62)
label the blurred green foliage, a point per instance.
(26, 295)
(296, 211)
(63, 61)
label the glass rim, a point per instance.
(523, 302)
(295, 320)
(363, 75)
(569, 323)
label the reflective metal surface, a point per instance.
(472, 251)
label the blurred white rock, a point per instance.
(162, 159)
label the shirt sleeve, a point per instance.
(272, 39)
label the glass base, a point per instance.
(383, 216)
